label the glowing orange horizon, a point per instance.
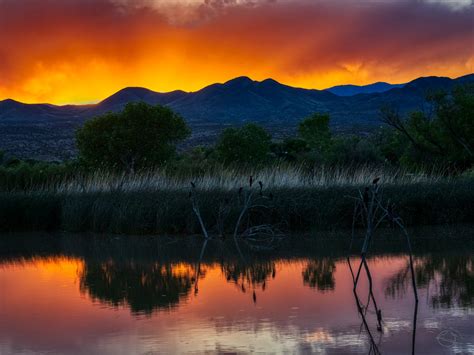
(83, 51)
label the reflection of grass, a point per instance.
(157, 203)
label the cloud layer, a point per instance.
(65, 51)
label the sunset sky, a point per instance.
(79, 51)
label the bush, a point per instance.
(249, 145)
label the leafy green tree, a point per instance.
(456, 116)
(291, 149)
(196, 161)
(315, 131)
(353, 150)
(140, 136)
(445, 137)
(391, 144)
(249, 144)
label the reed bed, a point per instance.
(157, 202)
(228, 179)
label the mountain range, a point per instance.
(46, 131)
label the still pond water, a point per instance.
(122, 295)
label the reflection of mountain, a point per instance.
(449, 280)
(319, 273)
(144, 287)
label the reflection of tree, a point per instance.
(449, 279)
(144, 287)
(254, 274)
(319, 274)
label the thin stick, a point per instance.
(198, 215)
(198, 266)
(361, 312)
(197, 212)
(247, 201)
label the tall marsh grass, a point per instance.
(157, 202)
(227, 179)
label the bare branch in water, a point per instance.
(196, 209)
(370, 211)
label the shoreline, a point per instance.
(104, 247)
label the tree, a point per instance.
(353, 150)
(249, 144)
(140, 136)
(456, 116)
(443, 138)
(315, 131)
(290, 149)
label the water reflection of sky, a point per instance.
(68, 305)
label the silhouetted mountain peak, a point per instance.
(127, 94)
(135, 94)
(271, 84)
(241, 81)
(431, 82)
(10, 103)
(270, 81)
(7, 101)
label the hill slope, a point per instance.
(350, 90)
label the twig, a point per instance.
(197, 212)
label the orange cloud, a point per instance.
(82, 51)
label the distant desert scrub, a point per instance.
(298, 199)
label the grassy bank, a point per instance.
(158, 203)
